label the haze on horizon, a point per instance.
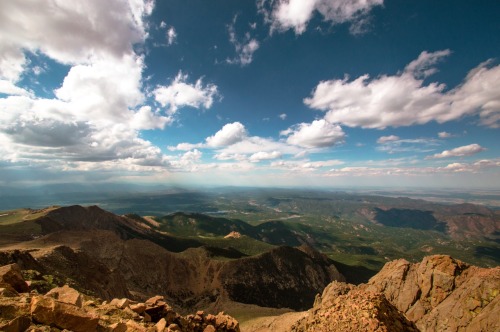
(323, 93)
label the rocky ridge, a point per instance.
(116, 256)
(441, 293)
(344, 307)
(438, 294)
(64, 308)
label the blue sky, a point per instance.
(329, 93)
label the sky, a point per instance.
(319, 93)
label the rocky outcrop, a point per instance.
(10, 276)
(344, 307)
(441, 293)
(65, 308)
(438, 294)
(48, 311)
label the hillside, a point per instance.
(117, 256)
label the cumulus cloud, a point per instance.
(146, 119)
(91, 29)
(245, 48)
(9, 88)
(230, 134)
(404, 99)
(282, 116)
(180, 94)
(318, 134)
(93, 121)
(230, 156)
(463, 151)
(296, 14)
(262, 155)
(385, 139)
(232, 142)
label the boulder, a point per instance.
(120, 303)
(117, 327)
(161, 325)
(7, 290)
(17, 324)
(138, 307)
(66, 294)
(11, 274)
(226, 323)
(46, 310)
(154, 300)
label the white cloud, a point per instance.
(94, 120)
(91, 30)
(444, 134)
(255, 144)
(296, 14)
(229, 156)
(9, 88)
(393, 144)
(423, 66)
(180, 94)
(103, 90)
(230, 134)
(192, 156)
(262, 155)
(404, 100)
(305, 165)
(244, 48)
(185, 147)
(282, 116)
(463, 151)
(146, 119)
(233, 143)
(318, 134)
(171, 36)
(385, 139)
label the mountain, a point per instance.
(437, 294)
(273, 232)
(441, 293)
(107, 256)
(122, 256)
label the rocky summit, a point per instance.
(442, 294)
(438, 294)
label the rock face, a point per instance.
(344, 307)
(284, 277)
(442, 294)
(11, 275)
